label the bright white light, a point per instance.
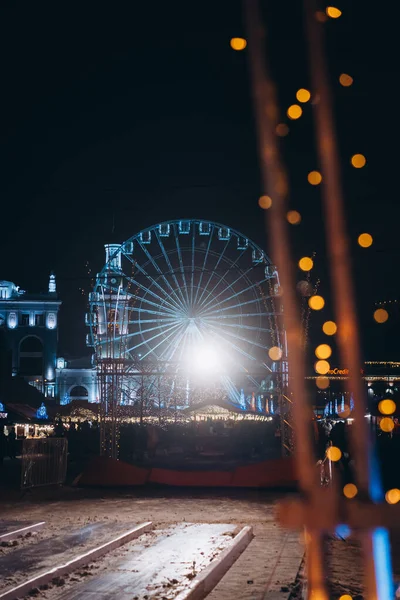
(205, 359)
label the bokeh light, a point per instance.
(365, 240)
(294, 112)
(322, 382)
(392, 496)
(386, 424)
(316, 302)
(303, 95)
(334, 453)
(294, 217)
(346, 597)
(387, 406)
(323, 351)
(329, 328)
(314, 177)
(275, 353)
(306, 263)
(304, 288)
(282, 129)
(345, 412)
(321, 16)
(322, 367)
(238, 43)
(358, 161)
(381, 315)
(345, 80)
(333, 12)
(350, 490)
(265, 202)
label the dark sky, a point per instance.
(116, 116)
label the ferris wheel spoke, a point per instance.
(236, 293)
(154, 282)
(204, 310)
(163, 309)
(176, 343)
(192, 273)
(162, 276)
(144, 331)
(218, 311)
(181, 266)
(140, 321)
(222, 278)
(148, 311)
(213, 270)
(154, 337)
(232, 345)
(203, 268)
(241, 325)
(237, 337)
(159, 344)
(178, 287)
(153, 294)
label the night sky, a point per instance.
(117, 116)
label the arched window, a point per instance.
(79, 393)
(31, 356)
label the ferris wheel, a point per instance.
(191, 295)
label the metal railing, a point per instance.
(43, 462)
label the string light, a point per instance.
(358, 161)
(345, 80)
(238, 43)
(329, 328)
(275, 353)
(323, 351)
(314, 177)
(303, 95)
(392, 496)
(350, 490)
(386, 424)
(316, 302)
(282, 129)
(294, 112)
(322, 367)
(365, 240)
(381, 315)
(333, 12)
(306, 263)
(322, 382)
(265, 202)
(334, 453)
(387, 406)
(294, 217)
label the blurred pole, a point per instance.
(340, 269)
(276, 186)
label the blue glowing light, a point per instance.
(41, 412)
(1, 407)
(65, 399)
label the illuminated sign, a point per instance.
(337, 371)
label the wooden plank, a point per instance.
(159, 570)
(9, 530)
(76, 562)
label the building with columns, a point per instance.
(30, 322)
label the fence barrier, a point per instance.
(44, 462)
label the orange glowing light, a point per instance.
(334, 453)
(238, 43)
(345, 80)
(322, 382)
(386, 424)
(275, 353)
(306, 263)
(392, 496)
(358, 161)
(282, 129)
(323, 351)
(294, 112)
(381, 315)
(294, 217)
(265, 202)
(314, 177)
(322, 367)
(329, 328)
(365, 240)
(333, 12)
(303, 95)
(345, 412)
(346, 597)
(387, 406)
(350, 491)
(316, 302)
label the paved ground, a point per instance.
(266, 570)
